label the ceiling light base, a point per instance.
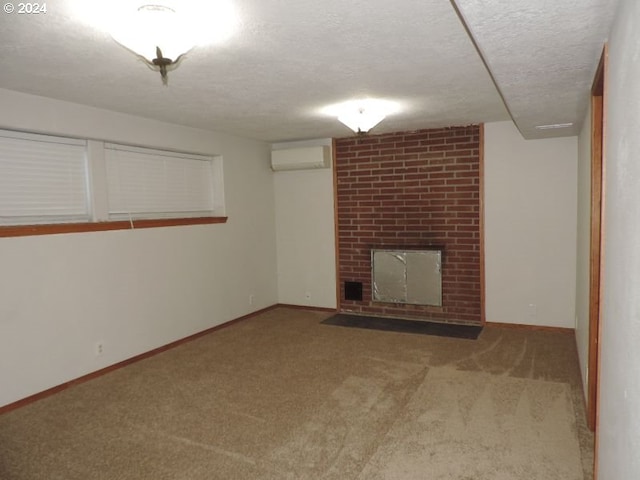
(161, 64)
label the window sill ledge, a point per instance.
(57, 228)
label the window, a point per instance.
(43, 179)
(145, 183)
(54, 184)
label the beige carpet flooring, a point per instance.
(280, 396)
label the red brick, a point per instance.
(412, 188)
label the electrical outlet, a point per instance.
(99, 348)
(307, 295)
(251, 299)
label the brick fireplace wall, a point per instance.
(412, 190)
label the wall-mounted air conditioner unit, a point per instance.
(301, 158)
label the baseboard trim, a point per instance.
(307, 307)
(521, 326)
(98, 373)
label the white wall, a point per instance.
(530, 228)
(305, 233)
(583, 247)
(131, 290)
(619, 432)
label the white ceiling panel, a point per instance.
(543, 56)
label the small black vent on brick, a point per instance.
(353, 291)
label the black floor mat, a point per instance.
(470, 332)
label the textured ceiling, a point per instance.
(542, 54)
(290, 59)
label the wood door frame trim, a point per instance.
(597, 242)
(595, 247)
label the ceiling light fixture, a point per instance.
(160, 32)
(155, 34)
(361, 119)
(362, 115)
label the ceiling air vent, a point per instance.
(554, 126)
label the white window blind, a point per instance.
(43, 179)
(145, 183)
